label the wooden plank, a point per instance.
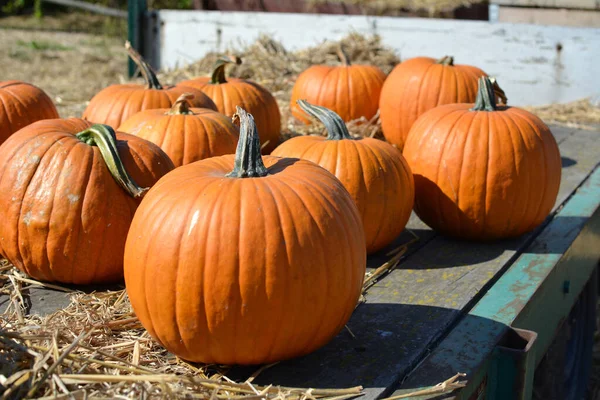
(534, 64)
(567, 251)
(409, 310)
(412, 308)
(573, 4)
(545, 16)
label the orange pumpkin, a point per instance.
(114, 104)
(222, 248)
(185, 134)
(374, 173)
(352, 91)
(418, 85)
(483, 172)
(255, 99)
(68, 192)
(22, 104)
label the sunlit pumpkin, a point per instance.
(186, 134)
(114, 104)
(483, 171)
(373, 171)
(68, 192)
(229, 93)
(222, 248)
(350, 90)
(418, 85)
(22, 104)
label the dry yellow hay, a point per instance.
(96, 347)
(267, 62)
(582, 114)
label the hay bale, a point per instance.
(269, 63)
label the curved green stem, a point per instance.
(218, 74)
(248, 161)
(103, 136)
(145, 69)
(446, 60)
(336, 128)
(182, 105)
(486, 97)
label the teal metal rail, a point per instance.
(535, 294)
(135, 23)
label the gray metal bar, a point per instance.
(112, 12)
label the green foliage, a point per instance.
(170, 4)
(11, 7)
(43, 45)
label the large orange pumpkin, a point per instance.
(68, 192)
(243, 259)
(252, 97)
(352, 91)
(418, 85)
(114, 104)
(374, 173)
(483, 172)
(22, 104)
(185, 134)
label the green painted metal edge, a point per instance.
(136, 9)
(531, 294)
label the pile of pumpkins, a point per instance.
(236, 249)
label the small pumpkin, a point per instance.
(68, 192)
(483, 172)
(373, 171)
(252, 97)
(22, 104)
(114, 104)
(418, 85)
(351, 90)
(221, 248)
(186, 134)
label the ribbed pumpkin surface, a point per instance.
(245, 270)
(249, 95)
(374, 173)
(199, 134)
(22, 104)
(115, 104)
(418, 85)
(64, 217)
(351, 91)
(483, 175)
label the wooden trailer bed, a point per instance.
(448, 304)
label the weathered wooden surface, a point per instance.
(534, 64)
(411, 309)
(550, 16)
(536, 293)
(589, 4)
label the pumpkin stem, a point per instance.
(486, 97)
(446, 60)
(248, 161)
(498, 91)
(336, 128)
(104, 137)
(218, 74)
(145, 69)
(181, 105)
(344, 58)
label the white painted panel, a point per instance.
(524, 58)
